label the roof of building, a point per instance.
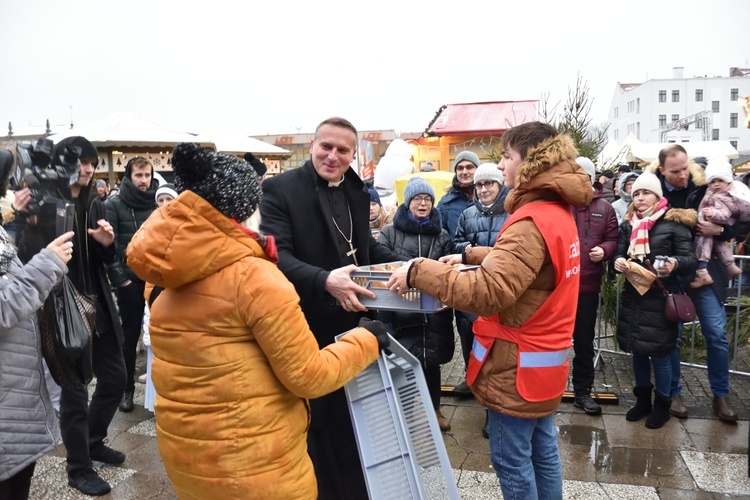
(482, 118)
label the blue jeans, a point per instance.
(713, 319)
(662, 372)
(525, 456)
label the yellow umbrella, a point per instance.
(439, 180)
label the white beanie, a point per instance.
(488, 171)
(649, 182)
(165, 189)
(588, 166)
(719, 168)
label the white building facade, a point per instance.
(683, 109)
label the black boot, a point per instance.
(660, 415)
(642, 406)
(126, 405)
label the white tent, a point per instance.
(127, 130)
(239, 144)
(645, 152)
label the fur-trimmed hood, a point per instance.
(686, 216)
(697, 174)
(549, 172)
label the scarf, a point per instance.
(7, 252)
(266, 242)
(642, 224)
(135, 198)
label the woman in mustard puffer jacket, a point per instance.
(234, 358)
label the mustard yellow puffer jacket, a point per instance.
(234, 358)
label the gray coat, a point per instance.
(28, 426)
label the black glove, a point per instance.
(377, 328)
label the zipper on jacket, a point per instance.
(40, 368)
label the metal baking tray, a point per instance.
(375, 277)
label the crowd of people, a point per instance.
(257, 384)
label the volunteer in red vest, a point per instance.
(526, 292)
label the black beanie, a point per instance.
(228, 183)
(259, 166)
(88, 150)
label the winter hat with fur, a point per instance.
(466, 155)
(415, 186)
(229, 184)
(588, 166)
(488, 172)
(649, 182)
(719, 168)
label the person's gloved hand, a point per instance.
(377, 328)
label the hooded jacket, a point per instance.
(127, 212)
(597, 226)
(28, 425)
(429, 337)
(642, 327)
(516, 275)
(234, 358)
(479, 225)
(621, 205)
(690, 197)
(452, 205)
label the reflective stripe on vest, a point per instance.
(545, 338)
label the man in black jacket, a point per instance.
(127, 212)
(83, 425)
(684, 185)
(319, 215)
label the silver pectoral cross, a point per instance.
(352, 253)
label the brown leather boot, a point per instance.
(678, 408)
(724, 410)
(443, 422)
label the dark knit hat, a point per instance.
(415, 186)
(87, 149)
(228, 183)
(609, 174)
(259, 166)
(374, 196)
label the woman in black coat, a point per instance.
(652, 229)
(416, 232)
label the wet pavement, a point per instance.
(603, 457)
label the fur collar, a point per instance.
(697, 174)
(686, 216)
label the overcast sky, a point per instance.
(257, 67)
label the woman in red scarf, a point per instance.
(652, 232)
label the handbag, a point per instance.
(678, 307)
(66, 322)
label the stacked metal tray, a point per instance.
(376, 276)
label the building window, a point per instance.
(732, 120)
(662, 120)
(675, 118)
(638, 105)
(638, 130)
(671, 141)
(617, 134)
(734, 144)
(675, 96)
(715, 106)
(617, 112)
(698, 95)
(699, 124)
(662, 96)
(734, 94)
(715, 134)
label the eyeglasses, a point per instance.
(484, 185)
(422, 199)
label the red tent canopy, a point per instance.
(482, 118)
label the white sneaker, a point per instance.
(142, 379)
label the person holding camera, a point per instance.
(127, 212)
(83, 425)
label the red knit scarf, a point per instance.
(642, 224)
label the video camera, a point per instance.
(46, 174)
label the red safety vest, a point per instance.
(545, 339)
